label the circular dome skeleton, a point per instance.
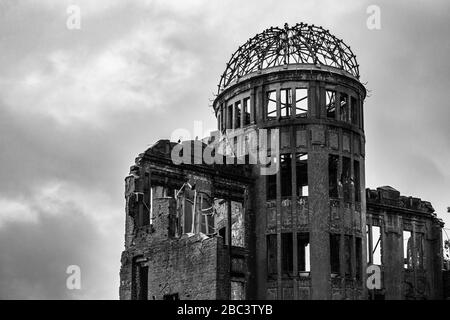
(300, 44)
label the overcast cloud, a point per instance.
(77, 106)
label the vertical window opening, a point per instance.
(330, 103)
(302, 174)
(238, 111)
(357, 181)
(419, 251)
(354, 110)
(333, 162)
(287, 253)
(286, 175)
(246, 112)
(346, 179)
(345, 114)
(334, 253)
(272, 255)
(229, 117)
(271, 105)
(139, 279)
(303, 262)
(271, 184)
(348, 244)
(376, 245)
(358, 250)
(407, 249)
(286, 102)
(301, 102)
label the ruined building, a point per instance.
(299, 225)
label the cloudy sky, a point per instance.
(77, 106)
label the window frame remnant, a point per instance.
(346, 179)
(272, 256)
(358, 258)
(271, 186)
(357, 180)
(286, 174)
(354, 110)
(330, 103)
(377, 244)
(333, 181)
(344, 113)
(287, 254)
(348, 264)
(271, 105)
(408, 261)
(139, 279)
(335, 240)
(301, 102)
(238, 114)
(286, 102)
(229, 117)
(303, 252)
(301, 171)
(246, 111)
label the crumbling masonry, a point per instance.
(309, 230)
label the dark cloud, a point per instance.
(35, 256)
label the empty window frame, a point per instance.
(229, 117)
(271, 187)
(272, 255)
(271, 105)
(334, 253)
(301, 102)
(348, 246)
(346, 179)
(376, 244)
(419, 250)
(287, 258)
(141, 217)
(303, 262)
(246, 111)
(301, 169)
(333, 165)
(238, 111)
(358, 251)
(286, 103)
(139, 279)
(408, 249)
(355, 110)
(194, 218)
(357, 179)
(412, 250)
(344, 107)
(330, 103)
(237, 224)
(286, 175)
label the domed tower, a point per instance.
(309, 216)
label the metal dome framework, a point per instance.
(300, 44)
